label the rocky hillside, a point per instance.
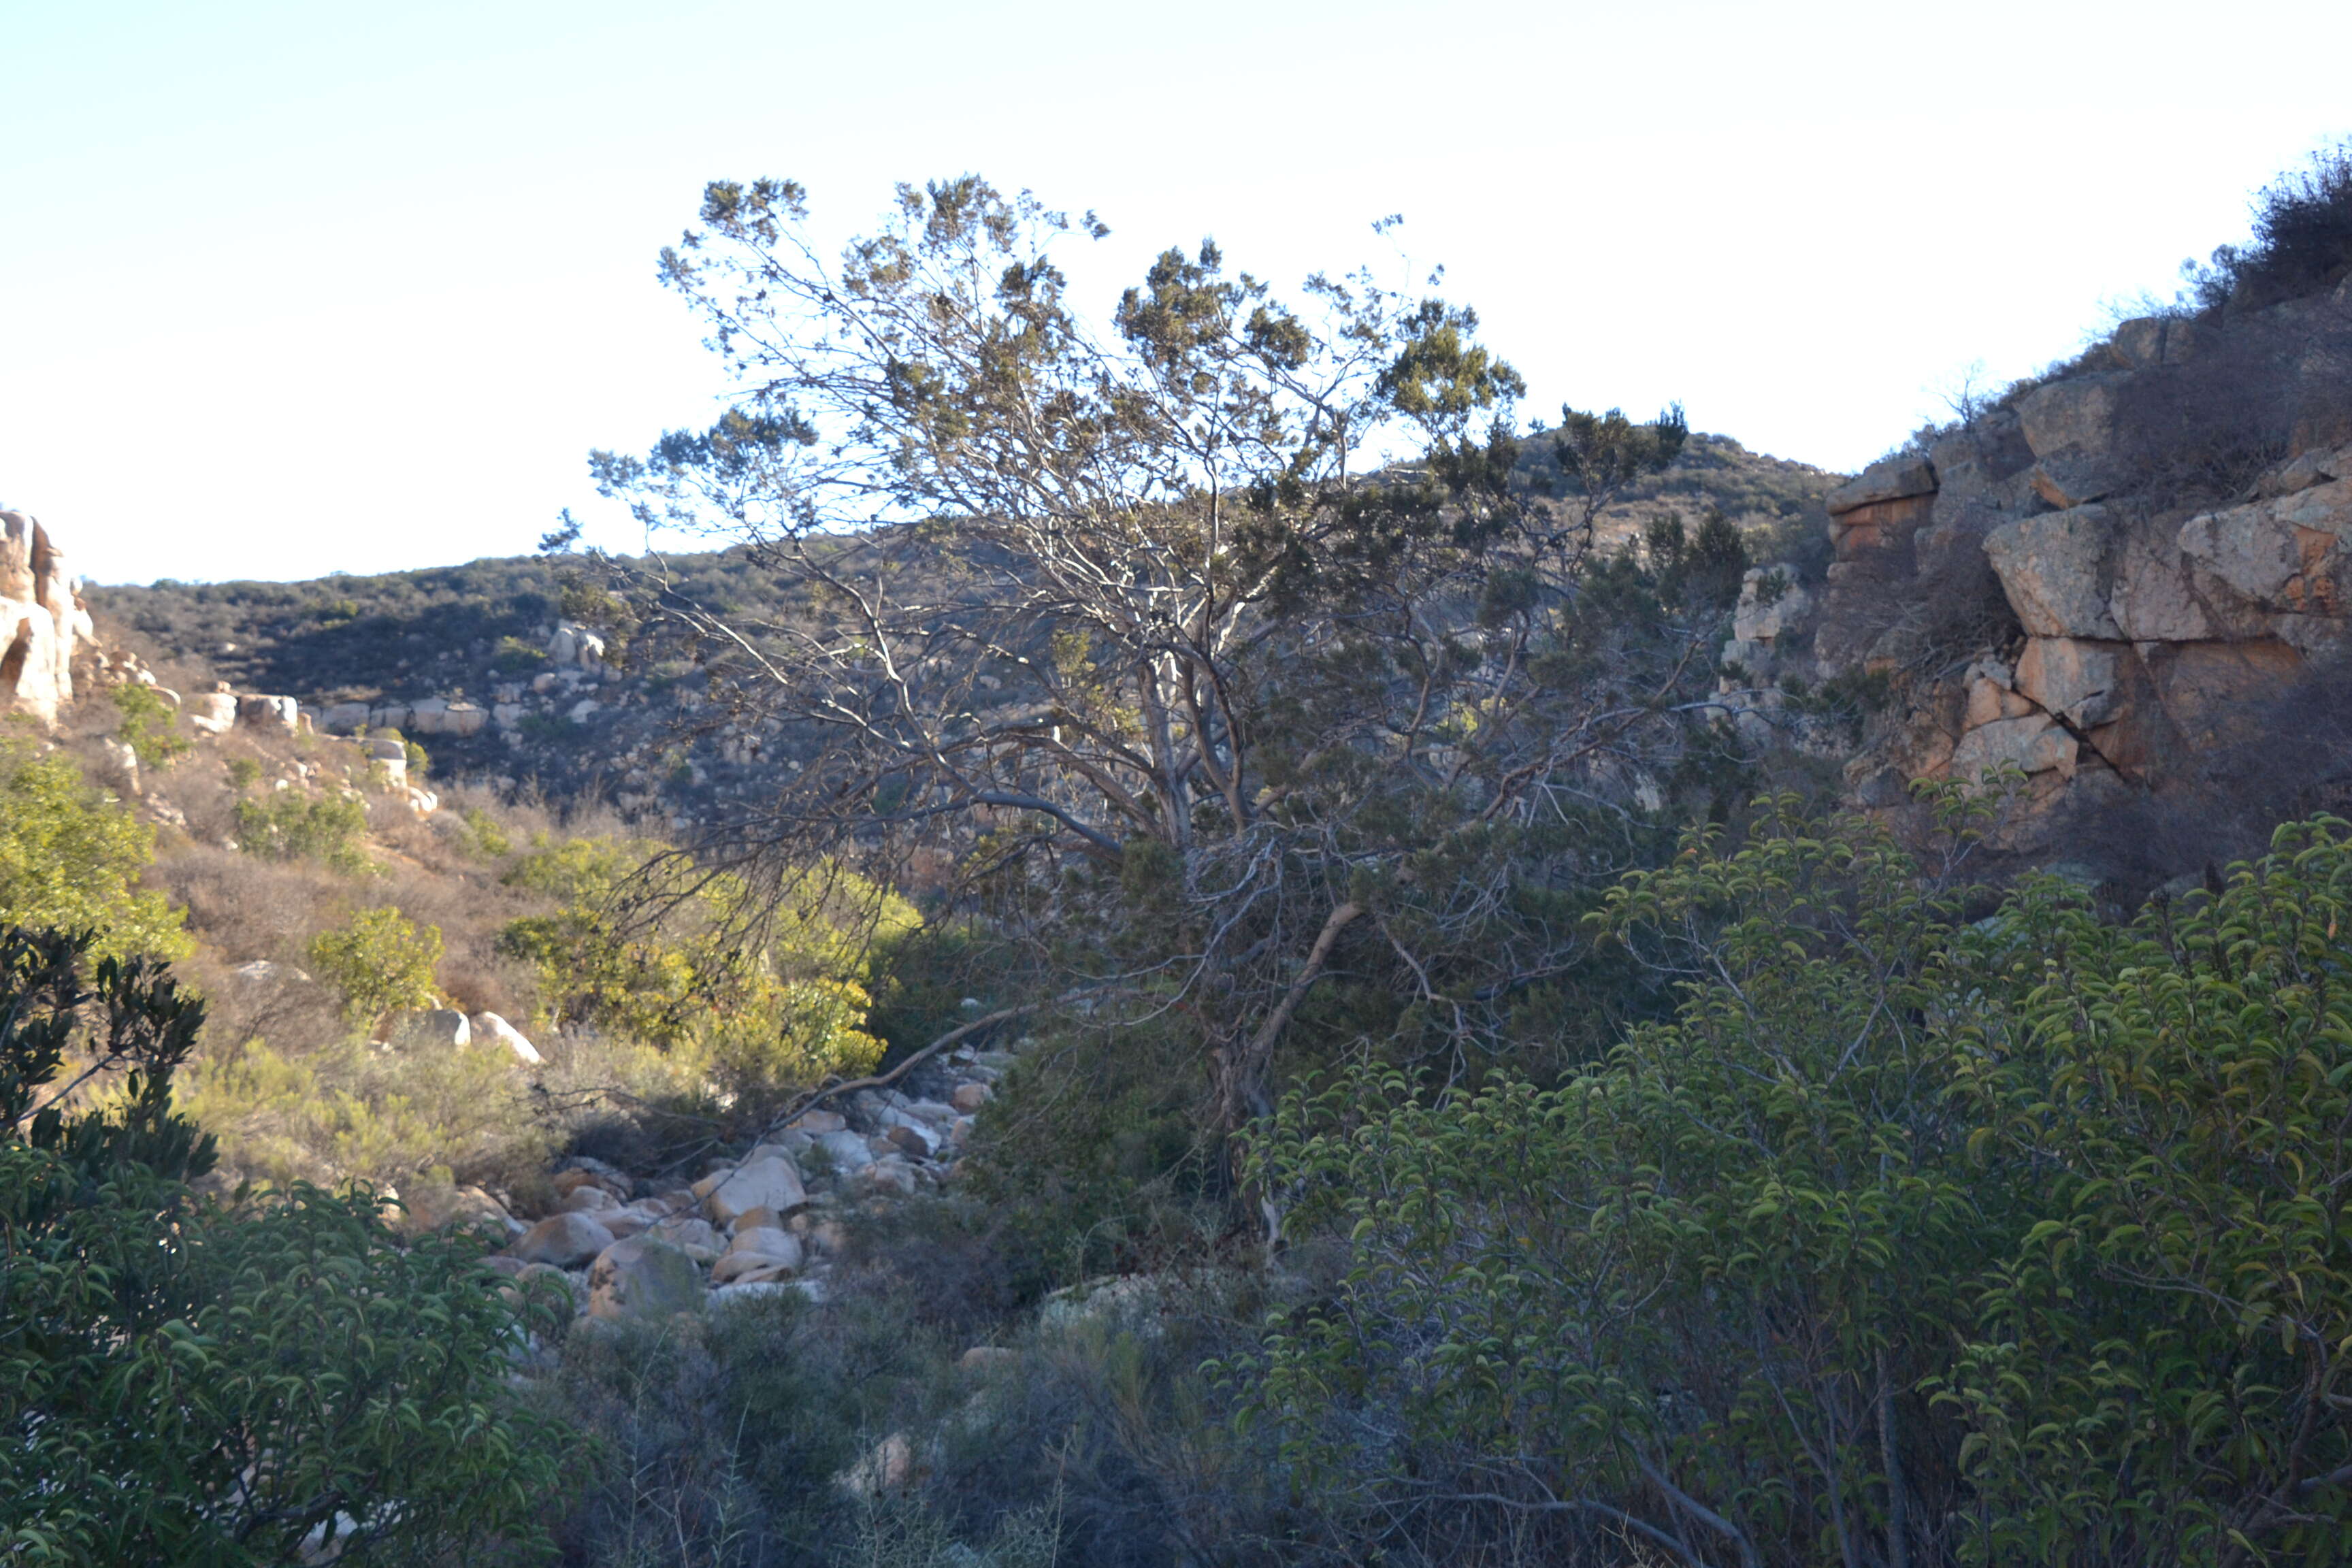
(490, 666)
(2127, 579)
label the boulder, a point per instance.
(564, 1240)
(389, 716)
(690, 1235)
(770, 1182)
(969, 1097)
(816, 1123)
(429, 716)
(277, 715)
(775, 1245)
(464, 719)
(434, 1026)
(495, 1030)
(212, 712)
(845, 1150)
(1890, 479)
(643, 1277)
(2071, 426)
(576, 647)
(589, 1199)
(749, 1269)
(2053, 569)
(2082, 683)
(2034, 744)
(342, 717)
(1771, 607)
(2282, 554)
(464, 1208)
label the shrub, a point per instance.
(71, 856)
(2013, 1240)
(185, 1381)
(423, 1115)
(2302, 244)
(641, 948)
(381, 962)
(287, 824)
(147, 726)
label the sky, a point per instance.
(287, 290)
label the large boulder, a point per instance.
(212, 712)
(771, 1183)
(489, 1026)
(2033, 744)
(1897, 478)
(2082, 683)
(2284, 554)
(443, 1026)
(564, 1240)
(2071, 427)
(342, 717)
(2053, 569)
(576, 647)
(643, 1276)
(277, 715)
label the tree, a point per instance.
(191, 1382)
(1145, 616)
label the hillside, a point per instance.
(636, 731)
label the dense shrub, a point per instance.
(381, 962)
(71, 856)
(641, 947)
(2302, 243)
(148, 726)
(292, 825)
(188, 1382)
(2012, 1239)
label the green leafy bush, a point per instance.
(71, 856)
(1906, 1237)
(641, 947)
(381, 961)
(147, 726)
(288, 825)
(190, 1382)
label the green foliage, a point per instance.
(147, 726)
(642, 947)
(382, 962)
(425, 1115)
(2018, 1240)
(290, 824)
(243, 773)
(483, 837)
(188, 1382)
(515, 657)
(71, 856)
(419, 762)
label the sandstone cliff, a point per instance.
(43, 621)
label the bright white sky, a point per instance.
(289, 289)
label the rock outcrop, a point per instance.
(2104, 584)
(43, 622)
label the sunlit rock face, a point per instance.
(42, 621)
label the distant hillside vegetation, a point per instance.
(481, 632)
